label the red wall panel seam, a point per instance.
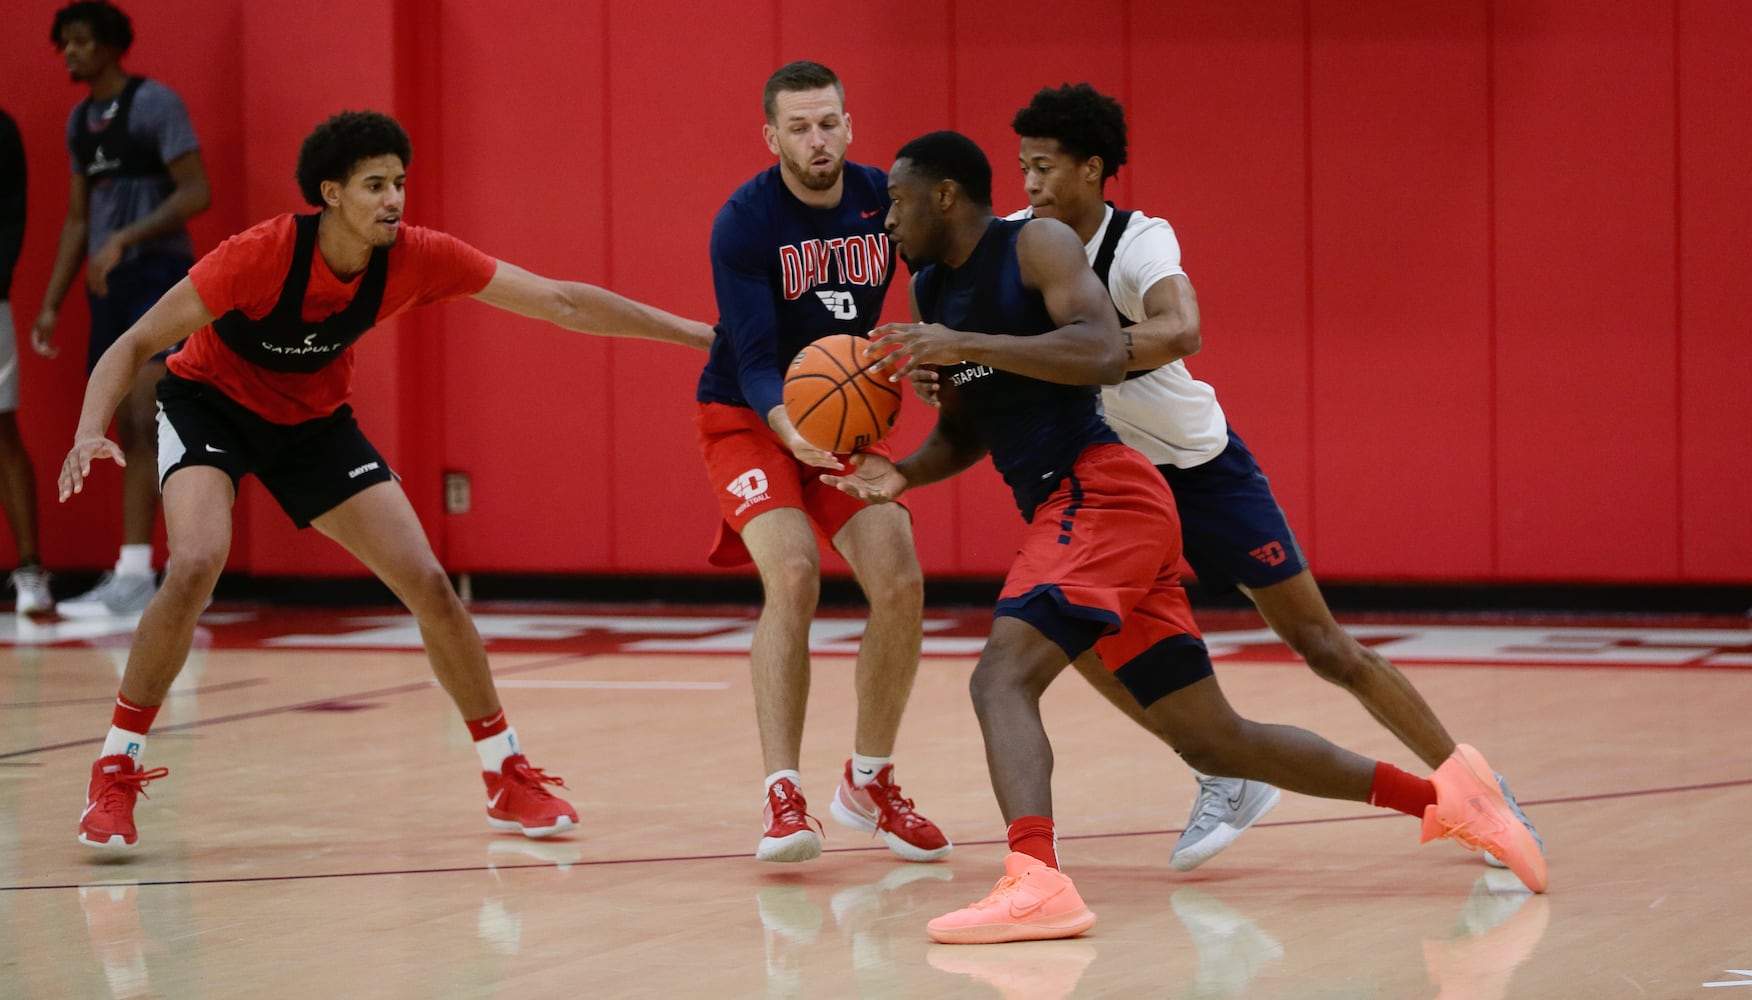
(1678, 302)
(1490, 229)
(1310, 343)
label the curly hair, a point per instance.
(109, 25)
(951, 156)
(334, 148)
(1085, 122)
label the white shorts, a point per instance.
(8, 360)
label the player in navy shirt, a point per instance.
(799, 253)
(1021, 330)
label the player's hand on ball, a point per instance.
(873, 479)
(906, 346)
(780, 421)
(78, 462)
(924, 384)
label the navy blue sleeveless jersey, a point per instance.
(1034, 430)
(786, 274)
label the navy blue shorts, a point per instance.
(1233, 528)
(134, 286)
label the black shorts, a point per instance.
(309, 468)
(1233, 528)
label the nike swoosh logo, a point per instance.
(493, 803)
(870, 214)
(1023, 912)
(88, 807)
(216, 451)
(1235, 802)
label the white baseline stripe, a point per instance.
(619, 685)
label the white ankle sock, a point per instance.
(796, 779)
(865, 769)
(494, 749)
(136, 560)
(121, 741)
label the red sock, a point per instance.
(1033, 836)
(492, 725)
(1396, 789)
(133, 718)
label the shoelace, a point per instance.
(892, 809)
(1006, 885)
(1211, 802)
(790, 809)
(114, 794)
(532, 778)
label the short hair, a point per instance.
(1085, 122)
(332, 149)
(951, 156)
(109, 25)
(797, 76)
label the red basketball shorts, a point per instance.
(752, 472)
(1098, 567)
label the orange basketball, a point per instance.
(836, 399)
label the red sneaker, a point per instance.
(108, 819)
(788, 836)
(879, 808)
(517, 800)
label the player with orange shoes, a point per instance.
(1023, 332)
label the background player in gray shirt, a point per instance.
(137, 179)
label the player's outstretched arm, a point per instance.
(587, 308)
(179, 313)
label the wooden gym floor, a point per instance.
(321, 831)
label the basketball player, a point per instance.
(137, 180)
(262, 386)
(798, 253)
(1097, 564)
(1073, 138)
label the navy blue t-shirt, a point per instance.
(786, 274)
(1034, 429)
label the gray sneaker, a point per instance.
(114, 596)
(1224, 808)
(32, 585)
(1514, 807)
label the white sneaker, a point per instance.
(32, 585)
(114, 596)
(1224, 808)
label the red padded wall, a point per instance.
(1714, 352)
(1587, 412)
(1467, 271)
(1401, 320)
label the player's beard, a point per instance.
(812, 180)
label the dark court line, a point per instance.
(584, 863)
(423, 685)
(109, 699)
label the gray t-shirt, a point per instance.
(157, 119)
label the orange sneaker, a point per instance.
(1032, 902)
(1470, 810)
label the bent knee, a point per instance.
(792, 576)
